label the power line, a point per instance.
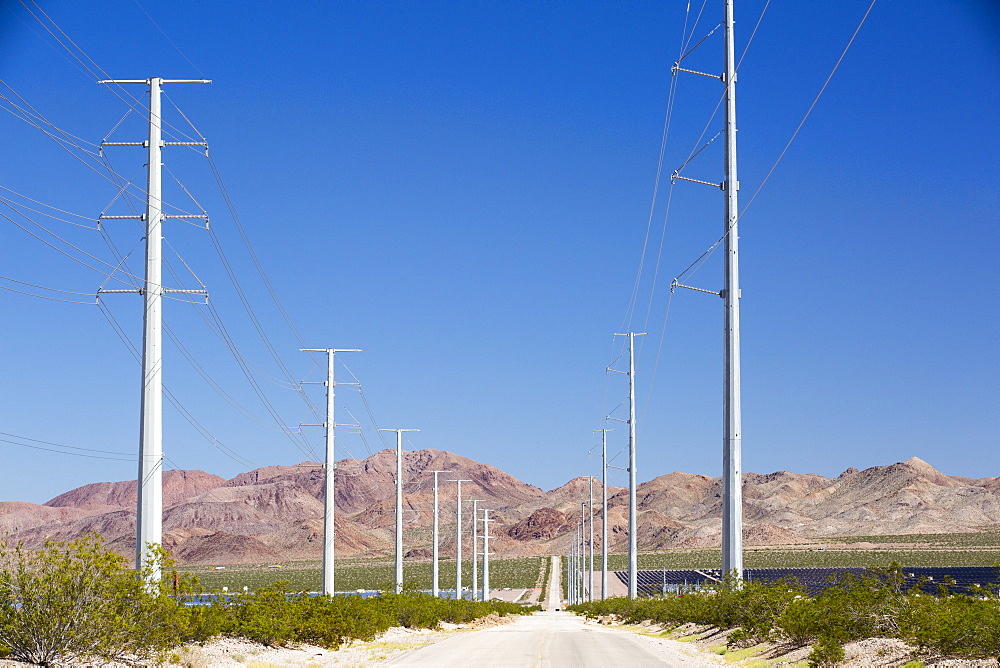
(700, 260)
(168, 38)
(811, 107)
(83, 452)
(205, 433)
(59, 250)
(42, 287)
(13, 203)
(125, 186)
(95, 72)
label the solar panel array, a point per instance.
(815, 580)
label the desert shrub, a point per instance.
(77, 600)
(856, 607)
(269, 616)
(827, 651)
(754, 608)
(954, 626)
(277, 616)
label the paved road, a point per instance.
(554, 593)
(547, 640)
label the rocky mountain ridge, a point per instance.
(275, 513)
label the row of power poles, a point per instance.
(329, 528)
(732, 416)
(580, 558)
(149, 504)
(149, 516)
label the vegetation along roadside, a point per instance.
(873, 605)
(77, 602)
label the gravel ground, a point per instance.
(860, 654)
(399, 641)
(392, 643)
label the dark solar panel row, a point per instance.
(814, 580)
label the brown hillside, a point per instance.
(276, 512)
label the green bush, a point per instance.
(277, 616)
(76, 601)
(874, 604)
(827, 651)
(954, 626)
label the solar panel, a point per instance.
(815, 580)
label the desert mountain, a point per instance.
(276, 512)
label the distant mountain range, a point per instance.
(275, 513)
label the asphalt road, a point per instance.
(548, 639)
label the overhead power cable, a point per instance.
(188, 417)
(14, 203)
(167, 37)
(701, 259)
(63, 449)
(810, 109)
(42, 287)
(93, 70)
(61, 251)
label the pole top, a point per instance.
(330, 350)
(397, 430)
(150, 80)
(632, 334)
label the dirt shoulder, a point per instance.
(711, 643)
(240, 652)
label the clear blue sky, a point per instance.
(462, 189)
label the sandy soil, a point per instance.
(700, 646)
(861, 654)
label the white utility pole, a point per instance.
(571, 573)
(579, 561)
(732, 446)
(475, 555)
(732, 427)
(329, 464)
(458, 540)
(576, 565)
(567, 579)
(149, 502)
(486, 553)
(435, 591)
(584, 584)
(633, 554)
(604, 512)
(399, 506)
(590, 571)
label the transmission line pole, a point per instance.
(149, 501)
(571, 578)
(571, 575)
(732, 449)
(633, 559)
(580, 560)
(590, 571)
(486, 553)
(435, 591)
(458, 540)
(329, 463)
(399, 506)
(604, 512)
(475, 567)
(583, 551)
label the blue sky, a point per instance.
(462, 189)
